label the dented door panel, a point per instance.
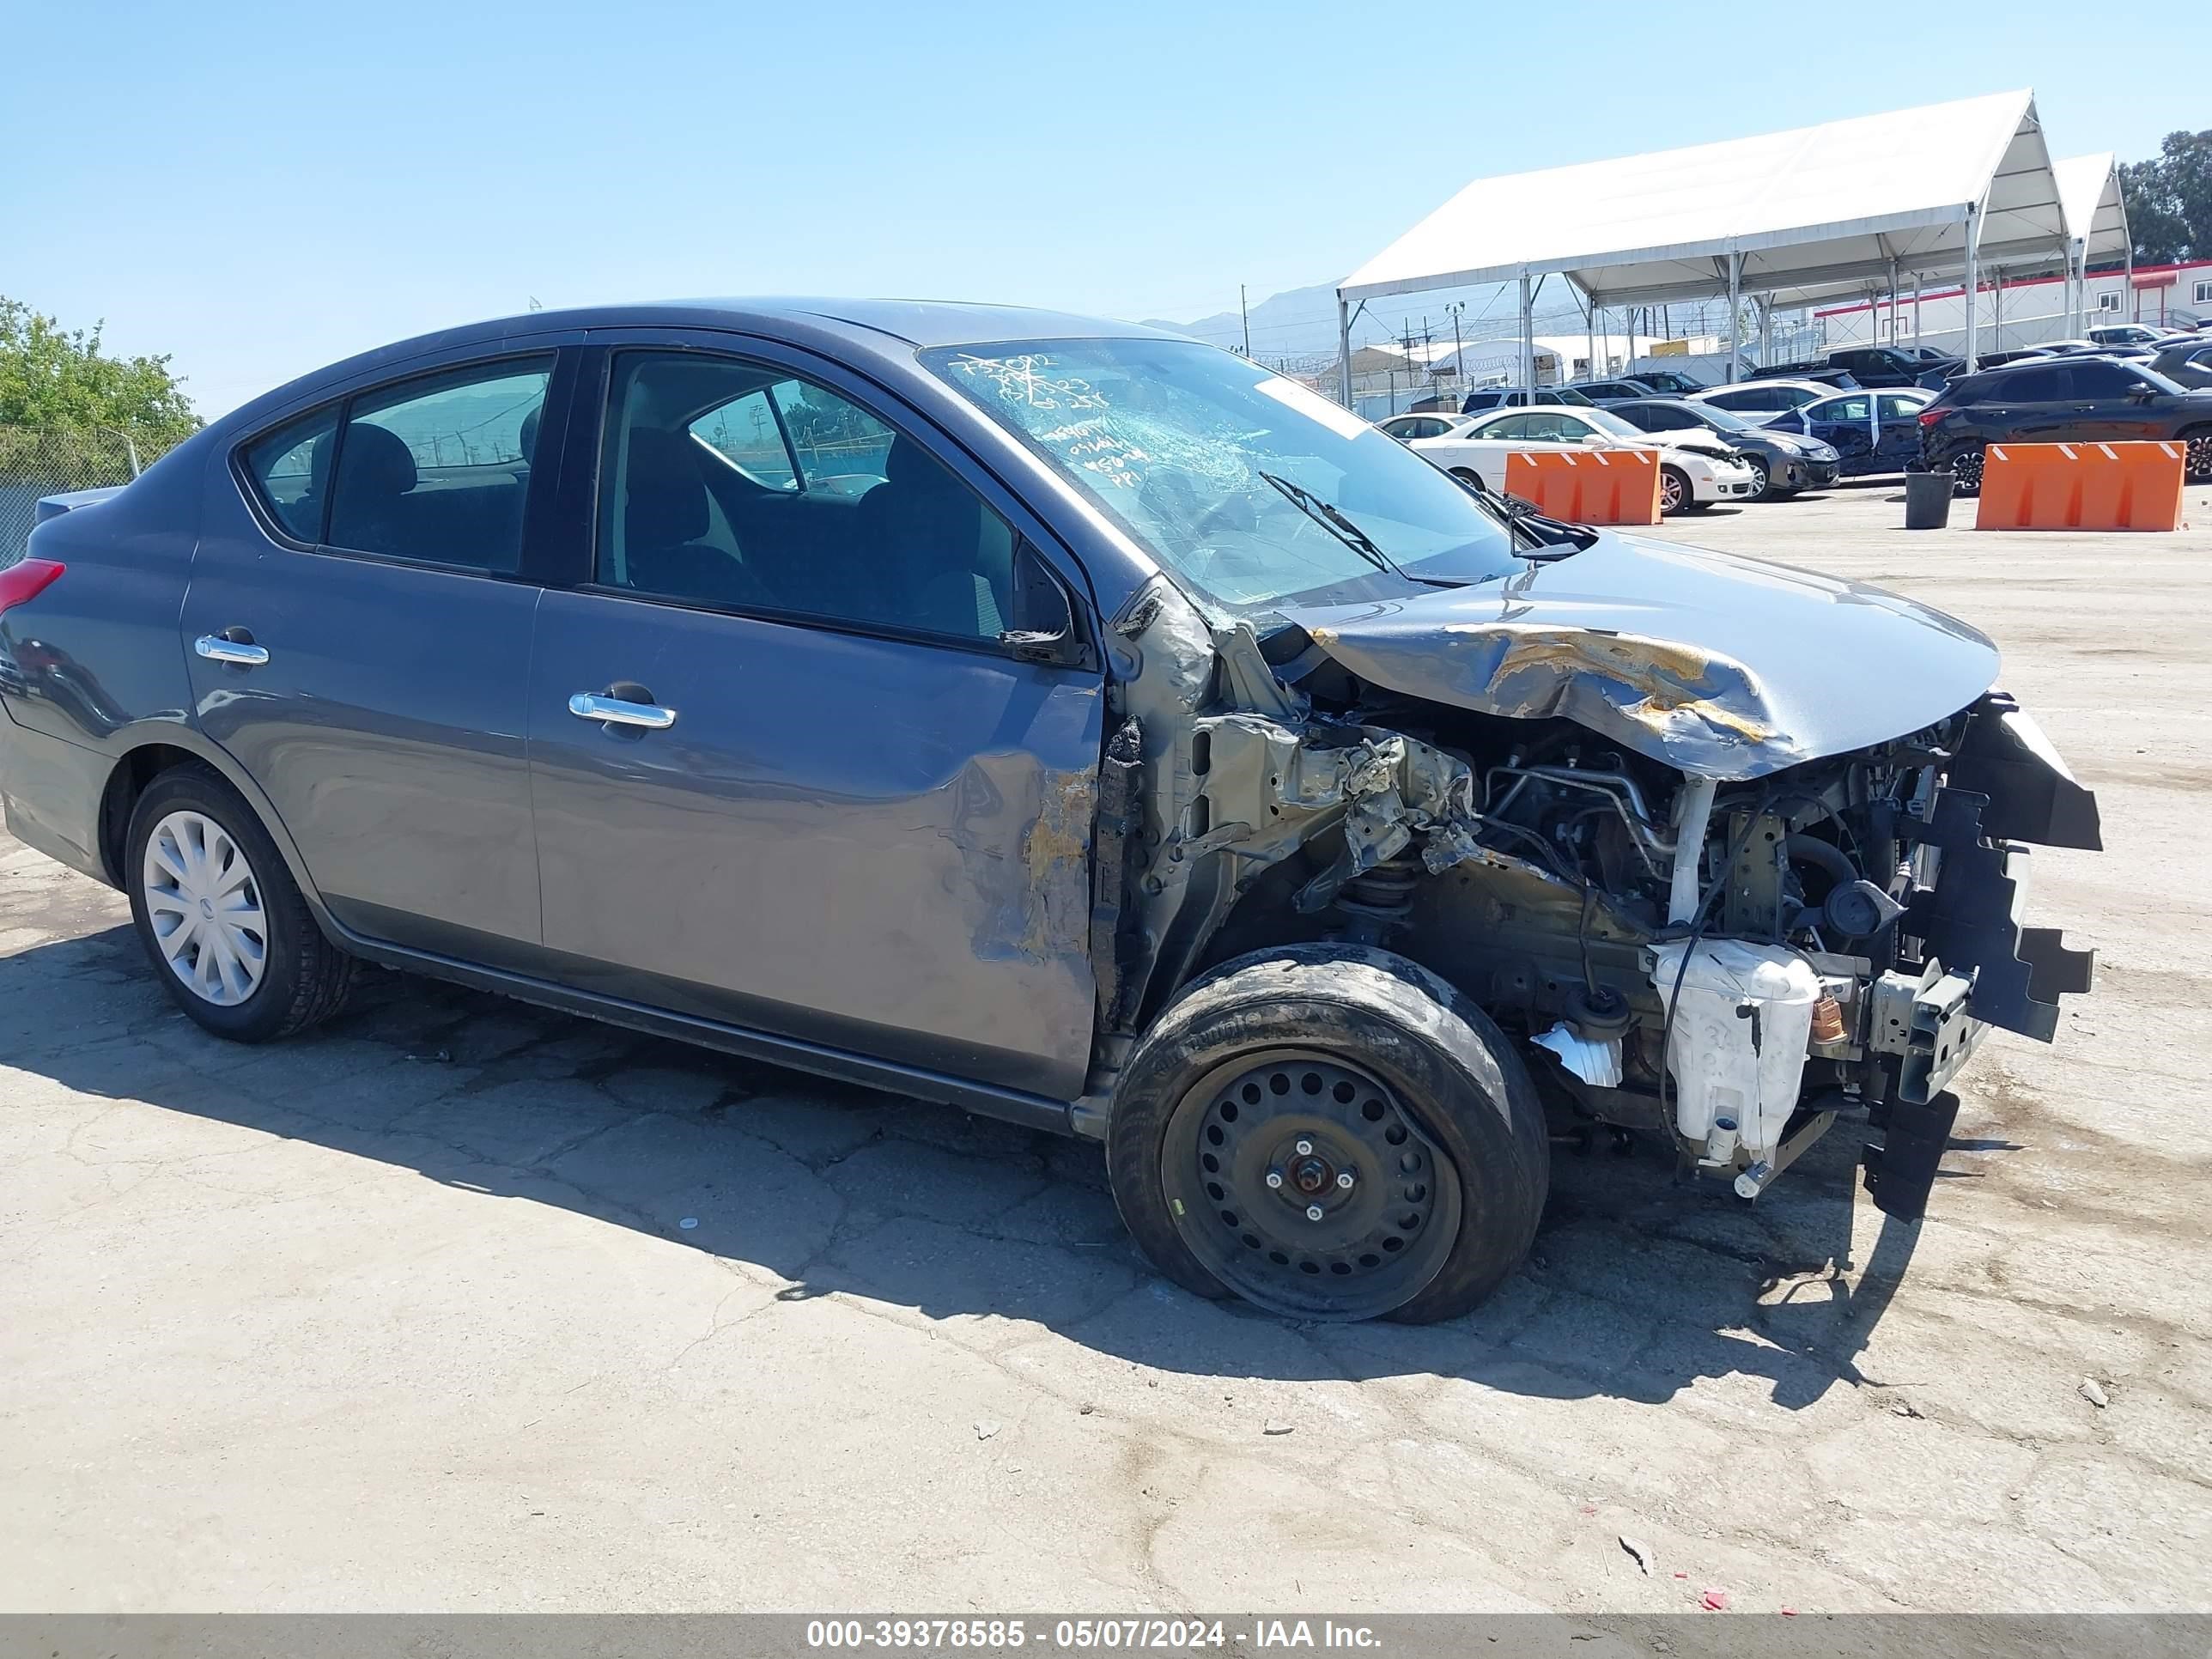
(877, 844)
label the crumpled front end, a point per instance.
(1729, 963)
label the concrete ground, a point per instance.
(457, 1304)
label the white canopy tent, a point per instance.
(1787, 217)
(2096, 221)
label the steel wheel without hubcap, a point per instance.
(204, 907)
(1307, 1188)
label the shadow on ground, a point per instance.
(1638, 1287)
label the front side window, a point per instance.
(436, 470)
(1222, 470)
(735, 485)
(2103, 380)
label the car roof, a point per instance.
(1820, 386)
(861, 327)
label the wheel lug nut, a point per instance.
(1274, 1178)
(1305, 1149)
(1344, 1179)
(1313, 1212)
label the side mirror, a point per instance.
(1044, 627)
(2140, 394)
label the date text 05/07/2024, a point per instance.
(1086, 1635)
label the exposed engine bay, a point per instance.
(1725, 963)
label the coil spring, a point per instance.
(1384, 893)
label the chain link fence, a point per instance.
(36, 461)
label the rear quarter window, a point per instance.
(288, 470)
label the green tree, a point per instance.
(55, 378)
(2169, 200)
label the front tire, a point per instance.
(2197, 463)
(1330, 1132)
(1675, 495)
(1767, 491)
(221, 919)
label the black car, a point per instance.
(1606, 392)
(1667, 382)
(2058, 400)
(1786, 463)
(1826, 374)
(2187, 362)
(1883, 365)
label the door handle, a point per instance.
(246, 655)
(613, 711)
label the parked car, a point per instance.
(2061, 399)
(1406, 427)
(1878, 366)
(1782, 463)
(1759, 400)
(1603, 392)
(1668, 382)
(2186, 362)
(1149, 751)
(1835, 379)
(2128, 334)
(1871, 431)
(1696, 469)
(1517, 397)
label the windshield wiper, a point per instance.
(1558, 539)
(1333, 520)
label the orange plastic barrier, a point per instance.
(2080, 486)
(1587, 486)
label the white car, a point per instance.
(1432, 425)
(1697, 467)
(1762, 400)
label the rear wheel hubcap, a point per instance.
(203, 905)
(1305, 1186)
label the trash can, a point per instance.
(1927, 500)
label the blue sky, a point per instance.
(258, 190)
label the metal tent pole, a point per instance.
(1973, 283)
(1892, 302)
(1344, 344)
(1735, 298)
(1916, 309)
(1765, 330)
(1528, 334)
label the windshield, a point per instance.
(1189, 448)
(1725, 420)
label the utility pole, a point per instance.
(1247, 316)
(1459, 365)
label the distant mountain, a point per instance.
(1300, 322)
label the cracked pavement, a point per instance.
(458, 1305)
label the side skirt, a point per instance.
(1009, 1105)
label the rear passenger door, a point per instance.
(358, 633)
(788, 774)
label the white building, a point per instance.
(2022, 313)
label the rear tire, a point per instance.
(221, 919)
(1315, 1063)
(1967, 471)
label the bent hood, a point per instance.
(1720, 667)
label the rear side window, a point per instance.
(2033, 386)
(436, 470)
(290, 470)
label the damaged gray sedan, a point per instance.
(1057, 719)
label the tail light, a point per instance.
(25, 580)
(1932, 414)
